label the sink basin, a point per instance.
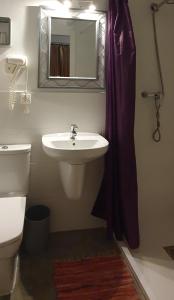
(86, 147)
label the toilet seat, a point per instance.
(12, 212)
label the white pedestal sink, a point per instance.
(73, 155)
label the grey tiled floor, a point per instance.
(35, 280)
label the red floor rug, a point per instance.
(98, 278)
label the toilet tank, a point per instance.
(14, 169)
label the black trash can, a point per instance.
(36, 229)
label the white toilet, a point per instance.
(14, 179)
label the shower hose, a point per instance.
(158, 96)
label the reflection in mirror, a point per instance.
(60, 55)
(4, 31)
(73, 48)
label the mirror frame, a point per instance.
(46, 81)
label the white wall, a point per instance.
(155, 162)
(50, 112)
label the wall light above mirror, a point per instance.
(72, 49)
(82, 4)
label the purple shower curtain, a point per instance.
(118, 201)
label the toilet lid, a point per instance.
(12, 212)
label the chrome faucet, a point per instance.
(74, 128)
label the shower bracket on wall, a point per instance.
(154, 7)
(153, 95)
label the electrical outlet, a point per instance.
(25, 98)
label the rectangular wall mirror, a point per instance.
(72, 49)
(5, 31)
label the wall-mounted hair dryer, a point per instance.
(15, 66)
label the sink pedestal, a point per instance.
(72, 157)
(72, 176)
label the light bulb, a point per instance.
(92, 7)
(67, 3)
